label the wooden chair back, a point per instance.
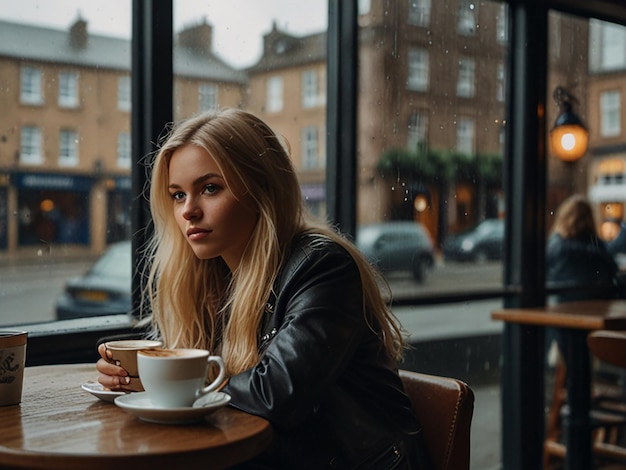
(445, 407)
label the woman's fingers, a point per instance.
(112, 376)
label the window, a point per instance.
(465, 136)
(30, 151)
(502, 24)
(123, 150)
(607, 46)
(419, 12)
(31, 86)
(364, 6)
(123, 93)
(418, 70)
(310, 148)
(610, 111)
(417, 128)
(500, 83)
(207, 97)
(68, 148)
(68, 89)
(310, 89)
(274, 94)
(466, 18)
(465, 81)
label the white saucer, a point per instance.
(104, 394)
(139, 404)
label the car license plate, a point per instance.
(92, 295)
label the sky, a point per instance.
(238, 25)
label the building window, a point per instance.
(310, 148)
(207, 97)
(30, 83)
(610, 110)
(123, 150)
(465, 136)
(500, 83)
(68, 89)
(68, 148)
(417, 128)
(364, 6)
(274, 94)
(123, 93)
(607, 46)
(310, 89)
(502, 24)
(30, 153)
(418, 69)
(466, 19)
(419, 12)
(465, 82)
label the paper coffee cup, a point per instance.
(12, 361)
(124, 354)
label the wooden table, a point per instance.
(575, 320)
(60, 426)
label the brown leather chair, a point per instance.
(608, 346)
(445, 407)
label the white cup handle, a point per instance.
(219, 379)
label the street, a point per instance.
(28, 292)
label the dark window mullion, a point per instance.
(152, 109)
(341, 114)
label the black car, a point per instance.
(103, 290)
(398, 246)
(483, 242)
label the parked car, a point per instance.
(398, 246)
(483, 242)
(103, 290)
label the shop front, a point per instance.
(52, 208)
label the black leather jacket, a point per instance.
(584, 265)
(332, 395)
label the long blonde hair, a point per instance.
(200, 303)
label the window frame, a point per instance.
(68, 89)
(207, 96)
(124, 152)
(310, 148)
(33, 136)
(610, 113)
(418, 74)
(274, 100)
(31, 85)
(68, 147)
(124, 93)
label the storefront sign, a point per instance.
(52, 181)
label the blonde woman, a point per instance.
(239, 268)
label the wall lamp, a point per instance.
(569, 136)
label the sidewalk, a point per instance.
(486, 436)
(46, 254)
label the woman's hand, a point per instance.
(111, 376)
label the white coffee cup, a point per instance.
(12, 361)
(175, 378)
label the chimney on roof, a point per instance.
(78, 33)
(198, 39)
